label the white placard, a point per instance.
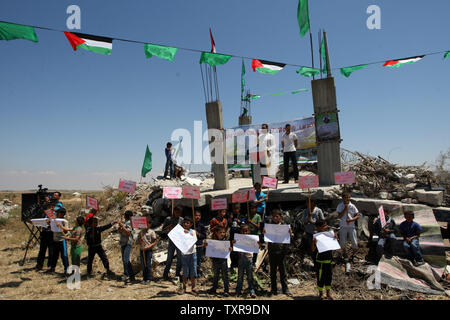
(40, 222)
(246, 243)
(54, 227)
(183, 241)
(326, 241)
(218, 249)
(277, 233)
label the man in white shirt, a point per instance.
(266, 148)
(289, 144)
(348, 213)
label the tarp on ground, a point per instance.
(401, 274)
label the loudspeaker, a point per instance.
(30, 207)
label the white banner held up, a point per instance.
(54, 227)
(326, 241)
(277, 233)
(218, 249)
(40, 222)
(246, 243)
(183, 241)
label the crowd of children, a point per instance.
(222, 227)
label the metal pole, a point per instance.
(312, 52)
(329, 75)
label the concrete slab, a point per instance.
(433, 198)
(370, 206)
(285, 193)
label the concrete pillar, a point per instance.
(214, 120)
(245, 120)
(328, 152)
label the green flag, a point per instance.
(242, 79)
(303, 16)
(298, 91)
(447, 55)
(323, 55)
(147, 165)
(163, 52)
(244, 113)
(11, 31)
(277, 94)
(214, 59)
(347, 71)
(308, 71)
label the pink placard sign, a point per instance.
(172, 192)
(127, 186)
(92, 203)
(190, 192)
(50, 213)
(219, 204)
(239, 196)
(251, 194)
(270, 182)
(308, 182)
(344, 177)
(139, 222)
(382, 216)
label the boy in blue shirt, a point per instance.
(260, 199)
(411, 232)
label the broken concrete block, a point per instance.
(160, 257)
(293, 282)
(411, 194)
(434, 198)
(383, 195)
(410, 186)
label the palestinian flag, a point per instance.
(398, 63)
(267, 67)
(89, 42)
(213, 44)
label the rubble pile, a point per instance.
(5, 207)
(376, 177)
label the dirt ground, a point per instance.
(24, 282)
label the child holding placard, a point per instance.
(324, 271)
(235, 221)
(94, 242)
(201, 236)
(189, 259)
(245, 265)
(147, 240)
(277, 259)
(126, 243)
(220, 266)
(59, 245)
(75, 239)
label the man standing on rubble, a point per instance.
(289, 145)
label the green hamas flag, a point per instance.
(162, 52)
(11, 31)
(447, 55)
(277, 94)
(323, 55)
(303, 16)
(147, 165)
(308, 72)
(298, 91)
(214, 59)
(347, 71)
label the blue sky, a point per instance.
(82, 120)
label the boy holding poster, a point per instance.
(386, 234)
(324, 272)
(201, 236)
(189, 259)
(147, 240)
(235, 221)
(126, 243)
(220, 266)
(277, 257)
(245, 265)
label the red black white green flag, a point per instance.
(267, 67)
(399, 62)
(89, 42)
